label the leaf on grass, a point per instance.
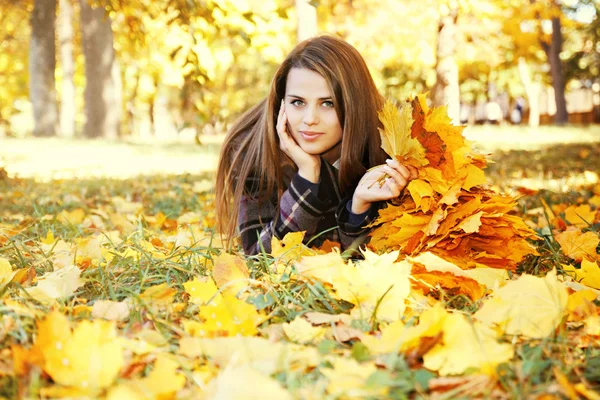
(57, 285)
(348, 378)
(244, 382)
(232, 271)
(588, 274)
(580, 304)
(6, 272)
(290, 247)
(302, 332)
(111, 310)
(466, 345)
(260, 353)
(529, 306)
(162, 382)
(88, 358)
(578, 245)
(327, 268)
(580, 216)
(377, 286)
(201, 290)
(229, 316)
(159, 295)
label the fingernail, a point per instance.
(389, 160)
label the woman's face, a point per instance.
(312, 119)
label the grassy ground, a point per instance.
(148, 194)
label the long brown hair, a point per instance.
(251, 147)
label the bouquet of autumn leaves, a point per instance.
(446, 210)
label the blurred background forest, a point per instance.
(165, 68)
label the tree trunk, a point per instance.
(533, 90)
(558, 77)
(306, 20)
(446, 90)
(65, 38)
(102, 92)
(42, 62)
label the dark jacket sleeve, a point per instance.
(300, 209)
(353, 231)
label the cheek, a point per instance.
(293, 117)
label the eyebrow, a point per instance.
(302, 98)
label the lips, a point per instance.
(310, 135)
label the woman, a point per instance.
(300, 159)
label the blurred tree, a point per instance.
(14, 46)
(306, 19)
(42, 62)
(67, 63)
(446, 90)
(553, 48)
(583, 61)
(103, 84)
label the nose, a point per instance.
(311, 116)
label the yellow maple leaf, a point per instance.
(6, 272)
(418, 189)
(162, 382)
(473, 176)
(111, 310)
(588, 274)
(378, 285)
(49, 239)
(57, 285)
(528, 306)
(396, 138)
(201, 290)
(230, 272)
(388, 341)
(244, 382)
(290, 247)
(88, 358)
(260, 353)
(472, 223)
(301, 331)
(580, 304)
(592, 325)
(348, 378)
(578, 245)
(327, 268)
(229, 316)
(580, 216)
(159, 295)
(74, 217)
(439, 121)
(466, 345)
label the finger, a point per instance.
(414, 173)
(399, 167)
(394, 174)
(393, 187)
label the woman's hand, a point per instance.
(369, 190)
(309, 166)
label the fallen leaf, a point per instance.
(578, 245)
(111, 310)
(230, 272)
(88, 358)
(302, 332)
(57, 285)
(588, 274)
(529, 306)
